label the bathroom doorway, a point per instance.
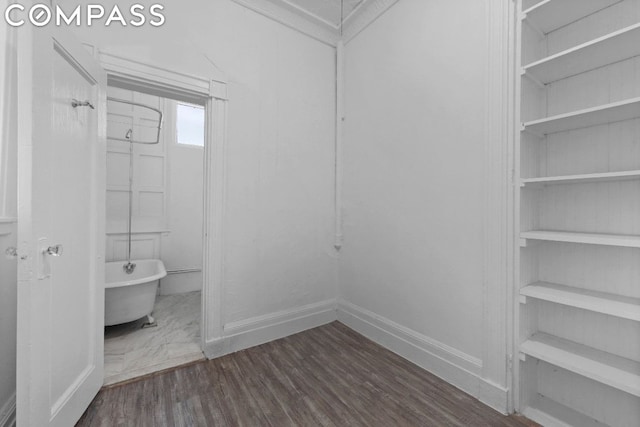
(154, 242)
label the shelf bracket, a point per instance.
(522, 299)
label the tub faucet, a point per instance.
(129, 267)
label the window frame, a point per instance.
(174, 116)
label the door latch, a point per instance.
(46, 252)
(54, 250)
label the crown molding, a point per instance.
(287, 4)
(323, 32)
(364, 15)
(315, 27)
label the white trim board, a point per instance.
(8, 412)
(365, 15)
(308, 24)
(135, 75)
(258, 330)
(319, 31)
(453, 366)
(498, 228)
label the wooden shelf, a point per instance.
(584, 238)
(614, 47)
(548, 412)
(614, 112)
(584, 178)
(599, 302)
(606, 368)
(549, 15)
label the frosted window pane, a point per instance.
(190, 125)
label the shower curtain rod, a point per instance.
(137, 104)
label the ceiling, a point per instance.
(322, 11)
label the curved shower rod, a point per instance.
(127, 138)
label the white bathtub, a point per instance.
(129, 297)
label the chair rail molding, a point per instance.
(499, 204)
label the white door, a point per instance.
(61, 181)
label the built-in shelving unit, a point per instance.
(577, 293)
(594, 116)
(606, 368)
(611, 48)
(599, 302)
(551, 413)
(583, 238)
(549, 15)
(582, 178)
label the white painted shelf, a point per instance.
(548, 412)
(585, 238)
(606, 368)
(599, 302)
(583, 178)
(614, 47)
(614, 112)
(549, 15)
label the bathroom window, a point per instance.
(190, 125)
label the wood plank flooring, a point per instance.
(327, 376)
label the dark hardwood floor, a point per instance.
(328, 376)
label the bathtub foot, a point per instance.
(150, 323)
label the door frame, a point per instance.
(210, 92)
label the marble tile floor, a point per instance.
(130, 351)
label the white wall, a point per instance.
(415, 110)
(8, 211)
(182, 247)
(279, 193)
(412, 259)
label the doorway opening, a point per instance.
(154, 223)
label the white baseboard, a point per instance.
(494, 395)
(8, 412)
(455, 367)
(262, 329)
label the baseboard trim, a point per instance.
(494, 395)
(8, 412)
(453, 366)
(262, 329)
